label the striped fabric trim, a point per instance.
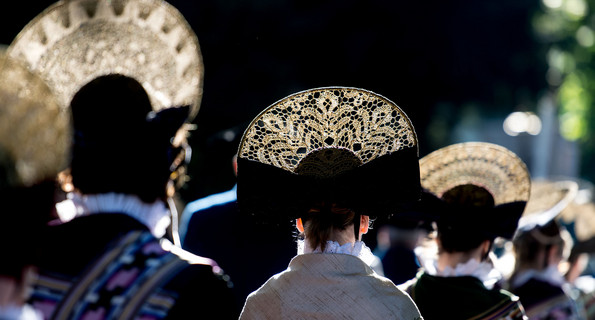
(47, 292)
(81, 287)
(123, 283)
(542, 309)
(171, 267)
(507, 309)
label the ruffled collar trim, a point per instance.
(482, 270)
(155, 216)
(25, 312)
(551, 275)
(358, 249)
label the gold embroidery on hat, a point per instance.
(362, 122)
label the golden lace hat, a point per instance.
(337, 145)
(35, 132)
(73, 42)
(34, 140)
(549, 197)
(580, 213)
(482, 186)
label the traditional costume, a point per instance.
(578, 217)
(329, 145)
(243, 240)
(475, 170)
(539, 283)
(35, 135)
(121, 66)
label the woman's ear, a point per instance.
(299, 225)
(485, 248)
(364, 224)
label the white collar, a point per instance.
(551, 275)
(155, 216)
(358, 249)
(25, 312)
(484, 270)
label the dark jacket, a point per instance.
(461, 298)
(248, 251)
(105, 264)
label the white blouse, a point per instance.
(358, 249)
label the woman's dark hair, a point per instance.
(322, 219)
(460, 240)
(115, 150)
(461, 230)
(529, 244)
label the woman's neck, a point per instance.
(343, 236)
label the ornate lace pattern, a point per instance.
(364, 123)
(72, 42)
(487, 165)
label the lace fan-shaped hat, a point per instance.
(73, 42)
(580, 213)
(35, 137)
(539, 226)
(482, 186)
(549, 197)
(35, 131)
(337, 145)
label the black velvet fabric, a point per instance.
(381, 187)
(498, 221)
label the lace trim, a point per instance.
(155, 216)
(551, 275)
(484, 270)
(358, 249)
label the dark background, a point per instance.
(429, 57)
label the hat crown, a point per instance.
(328, 162)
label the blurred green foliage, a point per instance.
(567, 28)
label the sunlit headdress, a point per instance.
(35, 132)
(35, 137)
(547, 201)
(580, 213)
(490, 183)
(334, 145)
(73, 42)
(539, 223)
